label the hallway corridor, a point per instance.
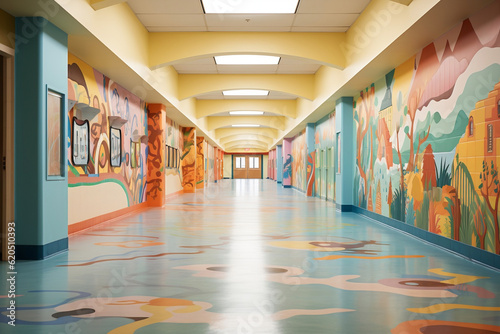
(247, 256)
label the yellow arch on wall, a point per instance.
(247, 137)
(167, 48)
(300, 85)
(286, 108)
(251, 143)
(226, 132)
(276, 122)
(239, 148)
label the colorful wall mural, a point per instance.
(211, 164)
(200, 163)
(156, 155)
(299, 150)
(188, 160)
(287, 162)
(97, 187)
(427, 136)
(324, 143)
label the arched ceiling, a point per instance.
(163, 51)
(319, 28)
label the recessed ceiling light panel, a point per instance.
(246, 113)
(246, 60)
(245, 92)
(250, 6)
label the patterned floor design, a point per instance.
(245, 257)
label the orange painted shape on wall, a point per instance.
(156, 157)
(200, 163)
(188, 160)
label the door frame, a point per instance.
(7, 150)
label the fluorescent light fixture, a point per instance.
(245, 92)
(250, 6)
(247, 60)
(245, 125)
(246, 113)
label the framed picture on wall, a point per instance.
(115, 136)
(55, 131)
(80, 142)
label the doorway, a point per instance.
(6, 147)
(2, 150)
(247, 167)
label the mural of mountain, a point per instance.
(467, 43)
(445, 136)
(441, 85)
(453, 64)
(428, 65)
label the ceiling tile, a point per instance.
(298, 69)
(319, 29)
(178, 28)
(274, 95)
(195, 69)
(240, 28)
(329, 20)
(166, 6)
(180, 20)
(254, 69)
(211, 96)
(235, 20)
(294, 61)
(201, 61)
(331, 6)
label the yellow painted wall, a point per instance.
(102, 199)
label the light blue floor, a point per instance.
(247, 256)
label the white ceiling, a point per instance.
(188, 15)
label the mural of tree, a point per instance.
(411, 112)
(429, 169)
(489, 188)
(481, 226)
(366, 112)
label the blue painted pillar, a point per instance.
(344, 125)
(279, 163)
(310, 159)
(41, 200)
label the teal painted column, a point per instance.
(279, 164)
(41, 201)
(310, 159)
(344, 125)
